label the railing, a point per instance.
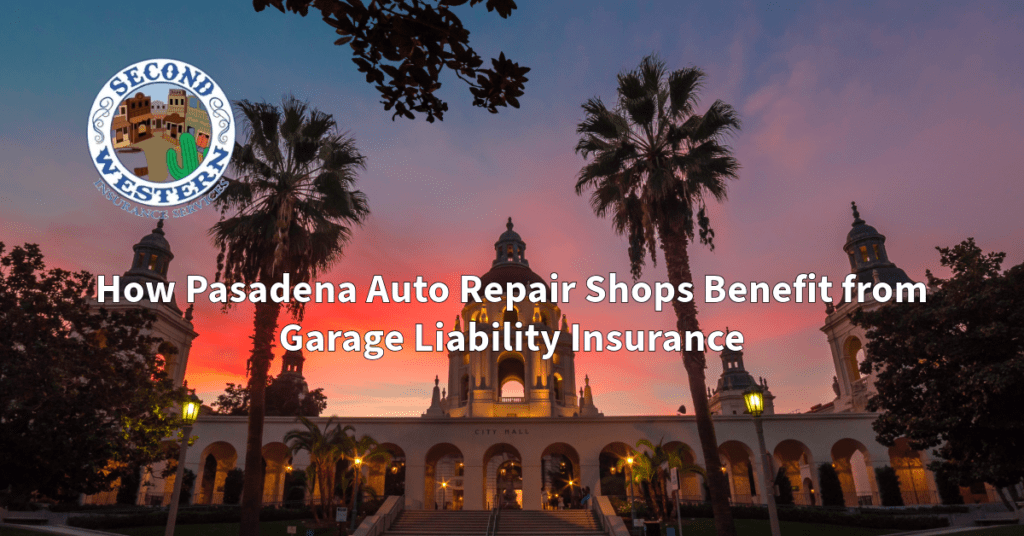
(611, 523)
(376, 524)
(492, 528)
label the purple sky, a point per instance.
(912, 111)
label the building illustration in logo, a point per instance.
(145, 129)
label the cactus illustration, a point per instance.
(189, 158)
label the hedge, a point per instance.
(185, 517)
(838, 516)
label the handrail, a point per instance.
(611, 523)
(495, 514)
(378, 523)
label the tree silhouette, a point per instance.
(403, 46)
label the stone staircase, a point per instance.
(511, 523)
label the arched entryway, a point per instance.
(443, 482)
(560, 471)
(690, 482)
(615, 473)
(503, 476)
(856, 475)
(795, 457)
(736, 464)
(910, 469)
(388, 477)
(217, 459)
(277, 462)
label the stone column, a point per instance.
(590, 476)
(415, 477)
(532, 484)
(472, 486)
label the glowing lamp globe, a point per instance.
(190, 410)
(754, 399)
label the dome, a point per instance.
(156, 239)
(861, 231)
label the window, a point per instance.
(878, 256)
(864, 253)
(152, 262)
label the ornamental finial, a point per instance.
(509, 224)
(856, 214)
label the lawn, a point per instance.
(760, 527)
(1008, 530)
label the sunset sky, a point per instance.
(912, 111)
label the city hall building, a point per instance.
(476, 440)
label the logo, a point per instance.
(161, 135)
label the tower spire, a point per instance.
(510, 248)
(856, 215)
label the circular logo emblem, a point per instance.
(161, 135)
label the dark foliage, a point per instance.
(191, 516)
(128, 491)
(831, 488)
(284, 398)
(888, 486)
(94, 409)
(785, 487)
(188, 484)
(233, 486)
(949, 488)
(403, 46)
(877, 520)
(949, 370)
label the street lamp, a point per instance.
(754, 399)
(632, 504)
(444, 495)
(358, 491)
(189, 414)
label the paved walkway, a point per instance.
(62, 530)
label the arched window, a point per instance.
(510, 315)
(464, 389)
(853, 355)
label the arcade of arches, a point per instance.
(516, 428)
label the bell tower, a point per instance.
(865, 248)
(727, 397)
(480, 383)
(151, 260)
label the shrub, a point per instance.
(949, 488)
(233, 483)
(187, 485)
(128, 491)
(831, 489)
(828, 516)
(191, 516)
(888, 486)
(785, 496)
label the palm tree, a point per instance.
(326, 448)
(292, 207)
(653, 164)
(362, 450)
(663, 459)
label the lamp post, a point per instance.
(754, 399)
(189, 414)
(632, 504)
(444, 495)
(355, 500)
